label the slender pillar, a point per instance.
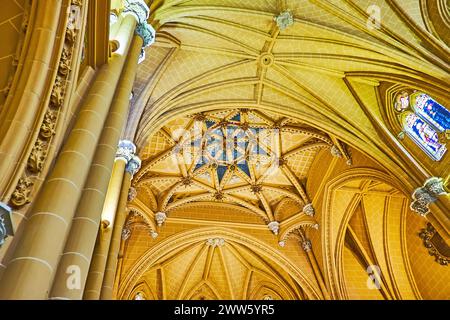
(111, 265)
(307, 246)
(99, 258)
(30, 271)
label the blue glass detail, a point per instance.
(431, 111)
(209, 123)
(221, 172)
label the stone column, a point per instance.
(111, 266)
(99, 258)
(307, 247)
(30, 271)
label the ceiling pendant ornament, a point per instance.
(274, 226)
(308, 209)
(215, 242)
(428, 193)
(306, 245)
(335, 152)
(160, 218)
(133, 165)
(284, 20)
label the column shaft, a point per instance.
(30, 271)
(99, 258)
(85, 225)
(111, 265)
(318, 274)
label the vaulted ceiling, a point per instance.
(315, 85)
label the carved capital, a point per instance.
(274, 226)
(126, 233)
(335, 152)
(306, 245)
(160, 218)
(125, 150)
(308, 209)
(138, 9)
(133, 165)
(428, 193)
(147, 33)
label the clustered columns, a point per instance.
(57, 240)
(104, 259)
(306, 244)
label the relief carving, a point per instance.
(20, 196)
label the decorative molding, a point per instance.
(428, 193)
(21, 195)
(435, 244)
(38, 155)
(126, 233)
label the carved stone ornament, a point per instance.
(126, 233)
(132, 193)
(22, 192)
(125, 150)
(284, 20)
(147, 33)
(160, 218)
(308, 209)
(436, 245)
(133, 165)
(6, 226)
(138, 9)
(48, 125)
(274, 226)
(215, 242)
(428, 193)
(306, 245)
(153, 234)
(37, 157)
(335, 152)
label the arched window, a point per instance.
(425, 121)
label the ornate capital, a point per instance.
(284, 20)
(126, 233)
(6, 226)
(335, 152)
(133, 165)
(428, 193)
(137, 9)
(147, 33)
(274, 226)
(160, 218)
(308, 209)
(125, 150)
(306, 245)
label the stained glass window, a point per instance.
(423, 135)
(425, 121)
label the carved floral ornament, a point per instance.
(428, 193)
(435, 244)
(38, 155)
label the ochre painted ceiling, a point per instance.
(221, 67)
